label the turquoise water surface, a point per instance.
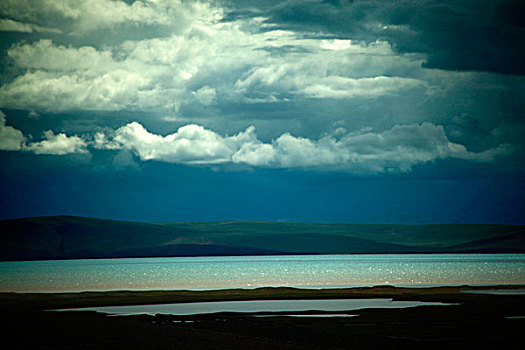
(314, 271)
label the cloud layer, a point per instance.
(360, 86)
(202, 57)
(12, 139)
(397, 149)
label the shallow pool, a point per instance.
(255, 306)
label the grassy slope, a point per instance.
(76, 237)
(441, 235)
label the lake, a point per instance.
(258, 306)
(314, 271)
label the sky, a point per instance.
(393, 111)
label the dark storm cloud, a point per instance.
(479, 35)
(470, 35)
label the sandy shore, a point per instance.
(475, 321)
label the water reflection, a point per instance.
(255, 306)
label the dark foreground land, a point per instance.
(475, 321)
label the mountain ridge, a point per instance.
(75, 237)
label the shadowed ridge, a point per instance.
(75, 237)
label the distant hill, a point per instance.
(69, 237)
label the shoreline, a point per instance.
(473, 321)
(517, 251)
(48, 300)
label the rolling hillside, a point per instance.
(67, 237)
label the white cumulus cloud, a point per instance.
(43, 54)
(11, 139)
(59, 144)
(190, 144)
(242, 59)
(397, 149)
(88, 15)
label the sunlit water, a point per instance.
(250, 306)
(253, 271)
